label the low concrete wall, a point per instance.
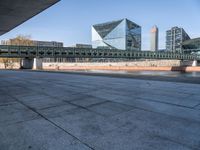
(26, 63)
(147, 63)
(124, 68)
(156, 65)
(10, 66)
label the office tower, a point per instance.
(154, 38)
(174, 38)
(121, 34)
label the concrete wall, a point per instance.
(147, 63)
(26, 63)
(153, 65)
(38, 64)
(10, 66)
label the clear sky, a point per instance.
(70, 21)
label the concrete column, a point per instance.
(194, 63)
(37, 64)
(27, 63)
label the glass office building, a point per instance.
(121, 34)
(174, 38)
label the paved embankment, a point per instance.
(149, 65)
(142, 65)
(122, 68)
(42, 110)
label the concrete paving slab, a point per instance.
(110, 108)
(71, 111)
(168, 109)
(15, 90)
(13, 113)
(197, 107)
(183, 101)
(37, 134)
(151, 124)
(85, 124)
(44, 102)
(60, 93)
(5, 99)
(30, 97)
(179, 99)
(88, 101)
(57, 111)
(75, 97)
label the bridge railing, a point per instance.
(69, 52)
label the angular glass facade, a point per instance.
(121, 34)
(174, 39)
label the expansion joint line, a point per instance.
(42, 116)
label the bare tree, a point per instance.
(24, 40)
(21, 40)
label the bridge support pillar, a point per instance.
(31, 63)
(37, 63)
(27, 63)
(194, 63)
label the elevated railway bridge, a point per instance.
(28, 53)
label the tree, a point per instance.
(24, 40)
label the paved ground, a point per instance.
(54, 111)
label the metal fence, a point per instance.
(68, 52)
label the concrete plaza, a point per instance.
(61, 111)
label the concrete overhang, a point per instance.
(15, 12)
(191, 41)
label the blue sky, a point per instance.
(70, 21)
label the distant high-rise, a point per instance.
(174, 38)
(154, 38)
(82, 46)
(121, 34)
(47, 43)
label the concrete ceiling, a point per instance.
(15, 12)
